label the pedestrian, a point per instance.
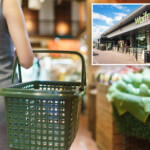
(118, 47)
(125, 48)
(13, 33)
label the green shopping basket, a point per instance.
(43, 115)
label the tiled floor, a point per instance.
(83, 140)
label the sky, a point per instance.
(105, 16)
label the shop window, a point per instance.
(140, 41)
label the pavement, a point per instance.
(112, 57)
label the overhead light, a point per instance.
(42, 1)
(34, 4)
(62, 28)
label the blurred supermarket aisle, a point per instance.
(83, 140)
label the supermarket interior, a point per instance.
(115, 109)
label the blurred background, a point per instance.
(56, 25)
(66, 25)
(59, 25)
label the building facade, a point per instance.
(131, 32)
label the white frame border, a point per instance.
(92, 32)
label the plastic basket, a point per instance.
(43, 115)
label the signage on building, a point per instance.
(142, 19)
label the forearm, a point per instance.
(17, 28)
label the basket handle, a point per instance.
(83, 77)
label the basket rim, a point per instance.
(15, 91)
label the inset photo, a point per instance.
(120, 34)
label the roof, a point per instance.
(127, 19)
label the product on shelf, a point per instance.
(111, 74)
(130, 98)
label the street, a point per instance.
(111, 57)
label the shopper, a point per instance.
(12, 33)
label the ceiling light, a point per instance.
(34, 4)
(62, 28)
(42, 1)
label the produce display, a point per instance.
(130, 98)
(110, 74)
